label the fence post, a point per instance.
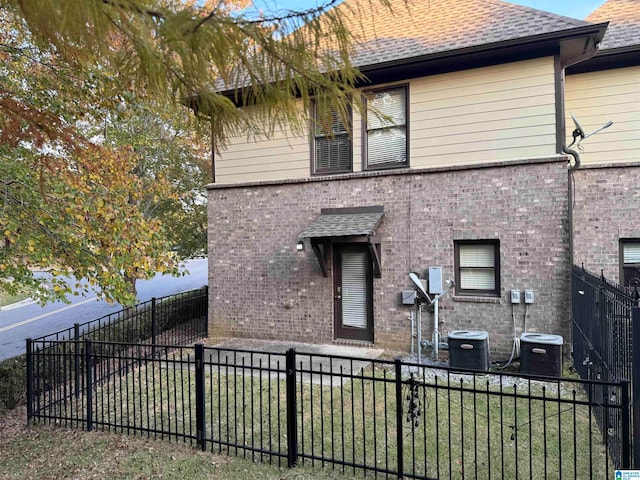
(89, 385)
(153, 327)
(200, 398)
(399, 436)
(76, 358)
(292, 409)
(29, 379)
(635, 386)
(626, 439)
(206, 311)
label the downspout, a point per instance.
(570, 198)
(213, 152)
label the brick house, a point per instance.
(470, 176)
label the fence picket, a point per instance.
(292, 408)
(635, 412)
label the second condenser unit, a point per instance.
(541, 354)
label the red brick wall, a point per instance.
(261, 287)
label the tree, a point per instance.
(70, 205)
(166, 143)
(76, 200)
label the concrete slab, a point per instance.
(241, 356)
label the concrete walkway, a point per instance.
(268, 357)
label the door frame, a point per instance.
(341, 332)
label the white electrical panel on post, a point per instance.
(435, 280)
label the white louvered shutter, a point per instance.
(354, 289)
(477, 267)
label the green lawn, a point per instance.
(463, 431)
(51, 453)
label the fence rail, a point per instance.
(602, 326)
(56, 362)
(355, 415)
(602, 319)
(153, 321)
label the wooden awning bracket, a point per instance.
(321, 249)
(321, 254)
(376, 254)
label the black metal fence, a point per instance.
(56, 362)
(176, 319)
(355, 415)
(602, 318)
(602, 326)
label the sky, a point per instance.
(570, 8)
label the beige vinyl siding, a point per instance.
(503, 112)
(282, 156)
(597, 97)
(489, 114)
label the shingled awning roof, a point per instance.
(353, 225)
(344, 222)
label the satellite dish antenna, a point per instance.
(422, 294)
(579, 131)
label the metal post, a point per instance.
(419, 328)
(29, 379)
(436, 332)
(292, 409)
(413, 331)
(89, 385)
(76, 358)
(626, 439)
(399, 436)
(200, 398)
(635, 395)
(153, 327)
(206, 311)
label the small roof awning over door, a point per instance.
(345, 225)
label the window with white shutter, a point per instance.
(332, 144)
(386, 126)
(630, 264)
(477, 267)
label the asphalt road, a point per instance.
(32, 320)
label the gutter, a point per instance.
(498, 47)
(538, 45)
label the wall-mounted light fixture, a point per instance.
(300, 246)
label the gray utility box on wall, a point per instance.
(541, 354)
(469, 349)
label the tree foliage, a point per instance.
(100, 165)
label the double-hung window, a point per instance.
(477, 266)
(332, 147)
(630, 262)
(386, 128)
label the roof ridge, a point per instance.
(576, 21)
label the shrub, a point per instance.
(13, 384)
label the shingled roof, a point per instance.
(624, 29)
(426, 27)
